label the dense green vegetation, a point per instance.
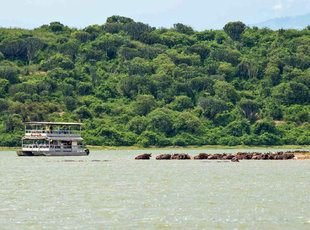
(132, 84)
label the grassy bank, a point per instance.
(199, 147)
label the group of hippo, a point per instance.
(223, 156)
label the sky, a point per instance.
(200, 14)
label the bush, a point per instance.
(303, 140)
(238, 128)
(4, 86)
(148, 138)
(181, 103)
(83, 112)
(265, 126)
(269, 139)
(4, 105)
(9, 73)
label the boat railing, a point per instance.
(38, 147)
(53, 132)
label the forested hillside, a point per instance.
(132, 84)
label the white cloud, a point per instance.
(278, 6)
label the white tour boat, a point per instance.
(52, 139)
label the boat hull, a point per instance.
(47, 153)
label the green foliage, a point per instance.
(265, 126)
(230, 141)
(180, 28)
(212, 106)
(181, 103)
(148, 138)
(226, 92)
(9, 73)
(13, 48)
(83, 112)
(33, 45)
(4, 105)
(249, 108)
(188, 123)
(234, 29)
(137, 124)
(1, 56)
(160, 120)
(57, 60)
(4, 86)
(273, 74)
(133, 84)
(238, 128)
(291, 93)
(56, 27)
(118, 19)
(144, 104)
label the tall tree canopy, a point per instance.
(133, 84)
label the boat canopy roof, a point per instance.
(53, 123)
(54, 138)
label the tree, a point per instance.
(13, 123)
(70, 103)
(291, 93)
(187, 122)
(160, 120)
(238, 128)
(181, 28)
(106, 91)
(14, 48)
(137, 124)
(202, 84)
(57, 60)
(82, 36)
(226, 92)
(227, 70)
(234, 29)
(139, 66)
(181, 103)
(148, 138)
(211, 106)
(4, 105)
(119, 19)
(83, 112)
(4, 86)
(144, 104)
(200, 49)
(56, 26)
(84, 88)
(9, 73)
(136, 29)
(249, 108)
(58, 74)
(273, 75)
(33, 45)
(265, 126)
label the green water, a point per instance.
(121, 193)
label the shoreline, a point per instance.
(302, 155)
(191, 147)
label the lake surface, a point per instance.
(110, 190)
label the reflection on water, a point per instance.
(110, 190)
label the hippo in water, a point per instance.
(145, 156)
(164, 157)
(181, 156)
